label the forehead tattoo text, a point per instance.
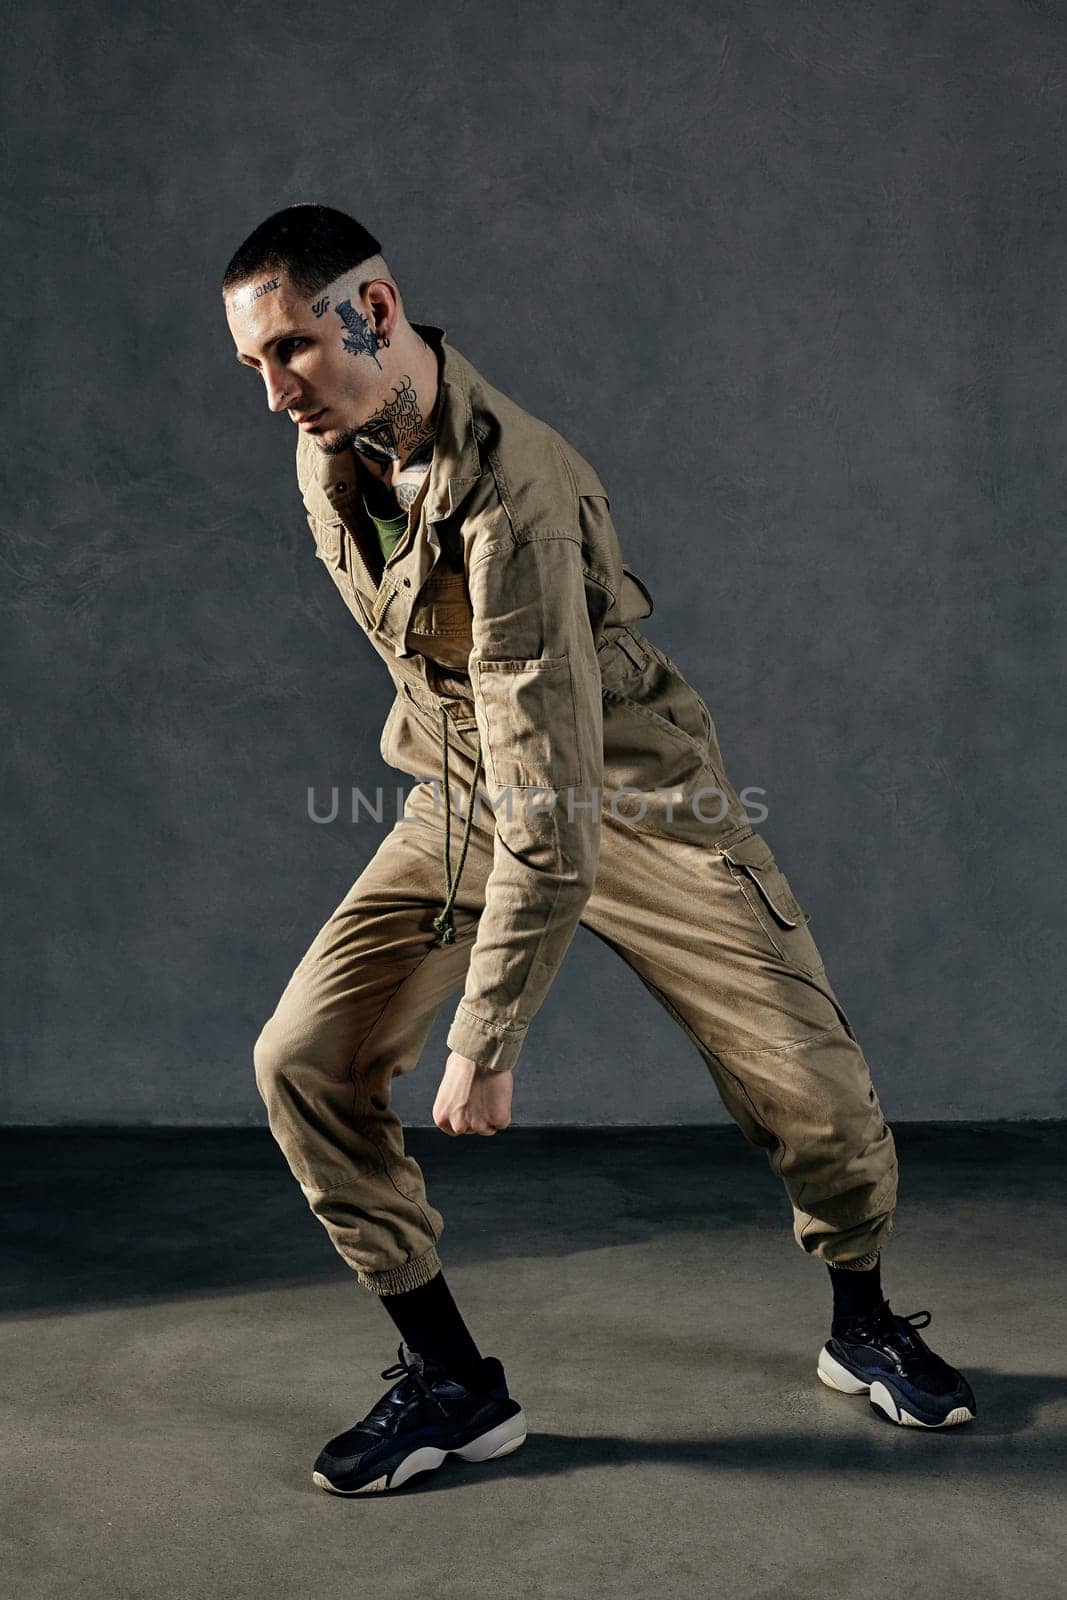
(247, 296)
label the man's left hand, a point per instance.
(471, 1100)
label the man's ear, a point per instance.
(383, 306)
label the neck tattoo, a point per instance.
(398, 432)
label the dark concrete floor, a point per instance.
(179, 1339)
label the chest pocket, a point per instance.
(331, 547)
(440, 624)
(329, 540)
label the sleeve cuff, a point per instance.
(494, 1045)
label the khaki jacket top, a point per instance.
(505, 618)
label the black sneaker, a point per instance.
(424, 1417)
(906, 1382)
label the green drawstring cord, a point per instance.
(444, 922)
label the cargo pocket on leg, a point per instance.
(772, 902)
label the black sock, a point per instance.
(856, 1293)
(429, 1321)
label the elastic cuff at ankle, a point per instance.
(857, 1264)
(409, 1275)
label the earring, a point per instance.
(383, 342)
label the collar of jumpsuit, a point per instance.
(454, 469)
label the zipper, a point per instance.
(382, 606)
(350, 557)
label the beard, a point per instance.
(338, 439)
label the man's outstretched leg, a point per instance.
(356, 1012)
(720, 940)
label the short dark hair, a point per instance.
(312, 244)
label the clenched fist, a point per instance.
(471, 1100)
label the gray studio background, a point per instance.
(789, 275)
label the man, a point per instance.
(475, 548)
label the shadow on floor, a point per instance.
(962, 1453)
(99, 1217)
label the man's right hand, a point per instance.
(471, 1100)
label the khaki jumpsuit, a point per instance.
(586, 786)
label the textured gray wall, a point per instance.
(791, 276)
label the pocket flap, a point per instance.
(751, 851)
(328, 540)
(442, 606)
(630, 575)
(756, 858)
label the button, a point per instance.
(407, 583)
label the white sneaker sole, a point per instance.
(835, 1376)
(499, 1441)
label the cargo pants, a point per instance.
(715, 933)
